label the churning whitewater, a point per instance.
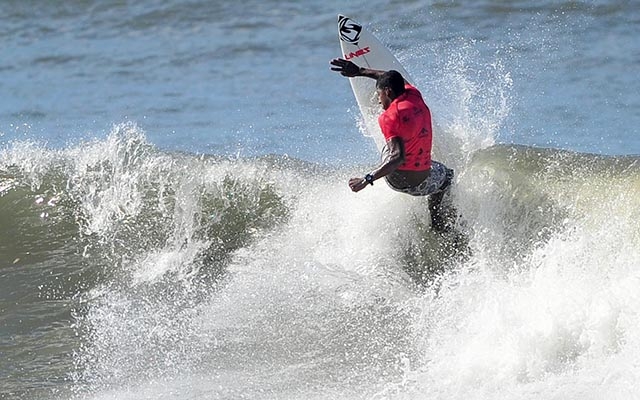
(176, 221)
(218, 277)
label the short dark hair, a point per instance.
(393, 80)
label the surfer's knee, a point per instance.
(448, 179)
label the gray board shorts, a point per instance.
(439, 180)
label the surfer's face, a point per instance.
(384, 95)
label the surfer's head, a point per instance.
(389, 85)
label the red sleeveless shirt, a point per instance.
(409, 118)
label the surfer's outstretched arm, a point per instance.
(350, 69)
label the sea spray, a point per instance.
(557, 303)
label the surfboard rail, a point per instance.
(363, 48)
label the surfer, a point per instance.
(406, 158)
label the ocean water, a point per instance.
(176, 222)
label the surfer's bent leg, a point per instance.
(436, 188)
(442, 213)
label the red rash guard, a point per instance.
(409, 118)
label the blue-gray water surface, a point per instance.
(175, 220)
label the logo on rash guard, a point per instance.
(357, 54)
(349, 31)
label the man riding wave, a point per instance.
(406, 125)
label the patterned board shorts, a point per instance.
(439, 180)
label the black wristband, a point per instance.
(369, 179)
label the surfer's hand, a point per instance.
(357, 184)
(345, 67)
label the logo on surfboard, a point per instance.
(357, 53)
(349, 30)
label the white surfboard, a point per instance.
(365, 50)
